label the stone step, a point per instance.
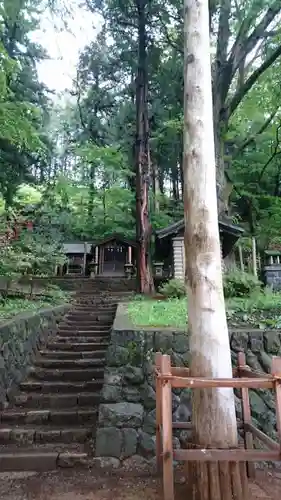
(74, 416)
(86, 323)
(95, 325)
(84, 374)
(73, 354)
(82, 333)
(29, 434)
(42, 458)
(84, 344)
(93, 305)
(73, 320)
(44, 362)
(55, 401)
(59, 386)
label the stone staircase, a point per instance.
(51, 420)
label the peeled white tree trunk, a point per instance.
(213, 410)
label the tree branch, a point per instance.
(273, 155)
(241, 47)
(168, 38)
(238, 96)
(251, 139)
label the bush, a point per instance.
(239, 284)
(173, 289)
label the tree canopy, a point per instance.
(74, 158)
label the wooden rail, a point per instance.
(168, 377)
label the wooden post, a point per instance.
(240, 251)
(130, 255)
(158, 357)
(85, 258)
(168, 473)
(96, 254)
(254, 255)
(276, 372)
(246, 415)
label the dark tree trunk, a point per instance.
(91, 192)
(142, 158)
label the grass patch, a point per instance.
(12, 306)
(262, 310)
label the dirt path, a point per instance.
(91, 485)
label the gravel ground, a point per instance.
(93, 485)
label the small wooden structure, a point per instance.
(169, 246)
(78, 256)
(113, 254)
(168, 377)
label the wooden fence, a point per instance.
(168, 377)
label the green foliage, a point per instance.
(173, 289)
(10, 307)
(154, 313)
(240, 284)
(260, 310)
(34, 252)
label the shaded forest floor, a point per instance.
(92, 485)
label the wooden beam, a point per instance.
(167, 436)
(276, 372)
(226, 455)
(246, 412)
(180, 371)
(158, 357)
(270, 443)
(206, 383)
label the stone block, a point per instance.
(256, 341)
(113, 377)
(147, 444)
(108, 442)
(239, 341)
(265, 361)
(133, 374)
(121, 415)
(148, 396)
(117, 355)
(163, 341)
(111, 393)
(149, 422)
(258, 406)
(131, 394)
(69, 460)
(180, 343)
(272, 343)
(130, 442)
(252, 361)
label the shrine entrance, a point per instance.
(114, 259)
(113, 255)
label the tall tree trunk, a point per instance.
(213, 416)
(156, 188)
(174, 175)
(143, 169)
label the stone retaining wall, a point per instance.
(20, 339)
(126, 426)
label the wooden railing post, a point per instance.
(167, 436)
(276, 372)
(246, 415)
(158, 357)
